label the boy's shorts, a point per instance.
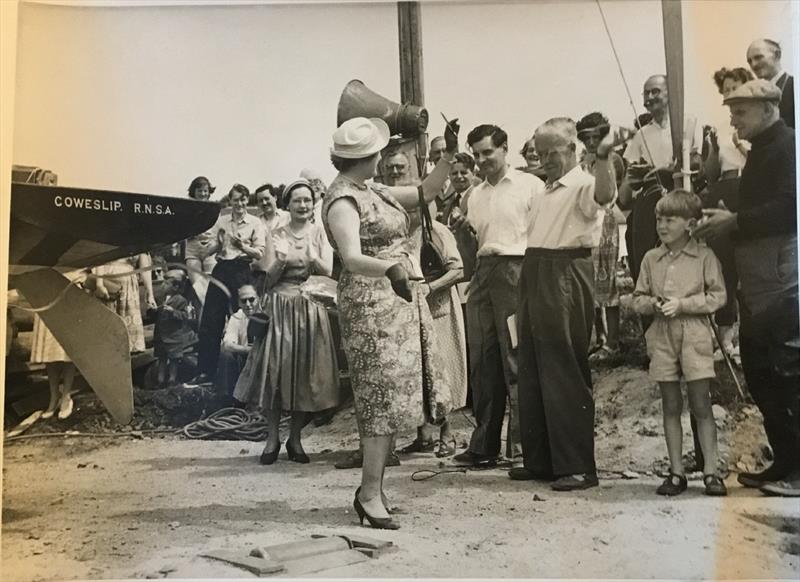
(680, 346)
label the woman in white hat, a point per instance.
(386, 324)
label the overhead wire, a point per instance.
(627, 87)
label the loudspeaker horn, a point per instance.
(358, 100)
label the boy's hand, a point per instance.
(670, 307)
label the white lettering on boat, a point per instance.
(84, 203)
(147, 208)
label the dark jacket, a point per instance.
(786, 83)
(767, 190)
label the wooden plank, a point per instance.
(258, 566)
(359, 541)
(321, 562)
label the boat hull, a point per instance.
(69, 228)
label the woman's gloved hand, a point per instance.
(398, 277)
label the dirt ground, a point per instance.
(147, 506)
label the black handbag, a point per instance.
(430, 258)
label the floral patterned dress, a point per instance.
(126, 303)
(397, 379)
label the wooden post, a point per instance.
(409, 26)
(673, 51)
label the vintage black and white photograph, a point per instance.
(421, 289)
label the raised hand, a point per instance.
(451, 135)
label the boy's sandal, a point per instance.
(714, 486)
(444, 449)
(673, 485)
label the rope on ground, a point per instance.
(229, 424)
(425, 474)
(133, 433)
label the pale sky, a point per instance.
(144, 98)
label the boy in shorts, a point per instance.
(680, 284)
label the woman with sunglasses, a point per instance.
(294, 366)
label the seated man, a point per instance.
(237, 341)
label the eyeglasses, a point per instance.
(248, 299)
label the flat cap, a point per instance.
(756, 90)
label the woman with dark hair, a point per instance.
(199, 253)
(591, 131)
(726, 155)
(386, 324)
(294, 366)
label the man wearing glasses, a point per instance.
(240, 333)
(556, 407)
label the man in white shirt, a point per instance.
(650, 162)
(237, 340)
(764, 57)
(556, 407)
(497, 211)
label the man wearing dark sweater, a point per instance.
(765, 230)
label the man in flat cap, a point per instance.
(764, 57)
(765, 234)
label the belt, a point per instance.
(245, 260)
(578, 253)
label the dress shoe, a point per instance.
(295, 455)
(355, 460)
(788, 487)
(757, 480)
(523, 474)
(470, 459)
(417, 446)
(269, 457)
(375, 522)
(575, 482)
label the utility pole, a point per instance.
(409, 24)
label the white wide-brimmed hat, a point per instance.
(360, 138)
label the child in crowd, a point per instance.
(681, 284)
(174, 335)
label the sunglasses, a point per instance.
(249, 299)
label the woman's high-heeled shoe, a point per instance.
(296, 456)
(267, 458)
(375, 522)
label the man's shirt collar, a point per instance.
(571, 178)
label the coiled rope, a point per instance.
(228, 424)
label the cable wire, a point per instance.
(627, 87)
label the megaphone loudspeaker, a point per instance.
(358, 100)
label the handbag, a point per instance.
(430, 258)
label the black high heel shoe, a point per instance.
(375, 522)
(267, 458)
(296, 456)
